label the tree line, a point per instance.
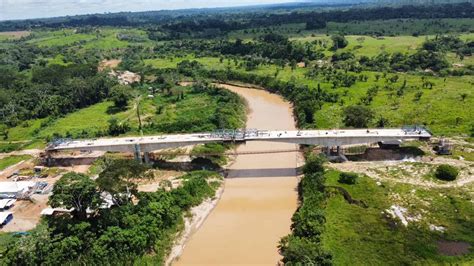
(208, 23)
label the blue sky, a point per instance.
(22, 9)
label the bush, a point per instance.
(116, 128)
(348, 178)
(446, 172)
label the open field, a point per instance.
(357, 235)
(404, 26)
(13, 35)
(11, 160)
(91, 119)
(102, 39)
(391, 27)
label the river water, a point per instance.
(260, 195)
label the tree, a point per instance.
(377, 77)
(78, 191)
(303, 251)
(120, 95)
(339, 42)
(314, 164)
(117, 179)
(4, 131)
(446, 172)
(382, 122)
(357, 116)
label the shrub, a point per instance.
(446, 172)
(348, 178)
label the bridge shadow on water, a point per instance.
(262, 172)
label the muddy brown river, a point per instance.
(260, 195)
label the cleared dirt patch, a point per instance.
(26, 214)
(453, 248)
(15, 34)
(112, 63)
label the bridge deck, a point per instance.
(315, 137)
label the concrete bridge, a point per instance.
(326, 138)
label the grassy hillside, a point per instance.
(362, 236)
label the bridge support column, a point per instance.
(328, 150)
(338, 150)
(138, 153)
(48, 160)
(146, 156)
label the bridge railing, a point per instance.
(58, 141)
(415, 129)
(236, 134)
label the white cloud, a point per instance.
(21, 9)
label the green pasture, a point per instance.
(365, 236)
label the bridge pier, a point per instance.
(138, 153)
(146, 156)
(327, 150)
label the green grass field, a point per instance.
(11, 160)
(363, 236)
(103, 39)
(90, 119)
(392, 27)
(404, 26)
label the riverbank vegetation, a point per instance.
(303, 245)
(140, 227)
